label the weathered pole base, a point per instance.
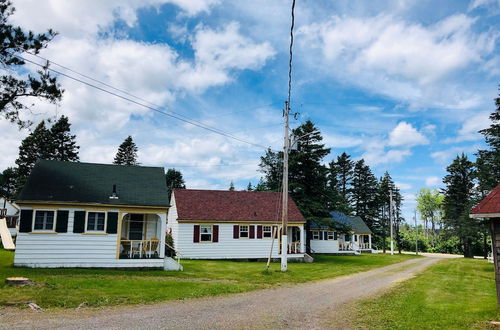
(18, 281)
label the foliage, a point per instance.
(8, 183)
(68, 288)
(271, 164)
(63, 144)
(452, 294)
(364, 193)
(430, 206)
(458, 200)
(488, 161)
(174, 179)
(383, 201)
(231, 186)
(14, 89)
(127, 153)
(340, 174)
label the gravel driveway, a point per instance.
(302, 306)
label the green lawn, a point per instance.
(453, 294)
(98, 287)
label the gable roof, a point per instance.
(490, 205)
(355, 222)
(57, 181)
(231, 206)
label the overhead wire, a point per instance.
(172, 115)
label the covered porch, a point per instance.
(363, 241)
(296, 240)
(142, 236)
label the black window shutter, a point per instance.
(309, 234)
(25, 221)
(325, 233)
(112, 226)
(321, 235)
(79, 222)
(335, 235)
(62, 221)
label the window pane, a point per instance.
(96, 221)
(91, 222)
(49, 220)
(206, 229)
(206, 237)
(39, 220)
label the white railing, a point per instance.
(140, 248)
(294, 248)
(345, 246)
(364, 246)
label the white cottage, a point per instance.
(323, 239)
(92, 215)
(216, 224)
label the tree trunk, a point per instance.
(433, 233)
(485, 244)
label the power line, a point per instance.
(175, 116)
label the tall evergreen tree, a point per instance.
(364, 193)
(127, 153)
(249, 187)
(271, 165)
(458, 200)
(37, 145)
(339, 183)
(231, 186)
(13, 89)
(174, 179)
(488, 161)
(8, 184)
(63, 143)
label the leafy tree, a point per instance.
(458, 200)
(127, 153)
(429, 205)
(13, 89)
(249, 187)
(488, 161)
(8, 183)
(37, 145)
(64, 146)
(174, 179)
(231, 186)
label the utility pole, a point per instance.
(390, 220)
(284, 212)
(416, 233)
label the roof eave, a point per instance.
(484, 215)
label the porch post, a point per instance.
(163, 232)
(302, 239)
(370, 241)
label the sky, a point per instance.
(404, 84)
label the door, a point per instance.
(136, 226)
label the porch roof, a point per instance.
(57, 181)
(489, 206)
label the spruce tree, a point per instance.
(127, 153)
(231, 186)
(249, 187)
(458, 200)
(13, 89)
(8, 184)
(364, 193)
(382, 222)
(174, 179)
(271, 165)
(64, 146)
(37, 145)
(488, 161)
(339, 182)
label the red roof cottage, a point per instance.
(222, 224)
(489, 208)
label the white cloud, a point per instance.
(376, 153)
(484, 3)
(445, 156)
(403, 185)
(432, 181)
(404, 134)
(470, 128)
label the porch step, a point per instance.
(308, 258)
(171, 264)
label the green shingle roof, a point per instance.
(93, 183)
(358, 225)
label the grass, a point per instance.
(452, 294)
(68, 288)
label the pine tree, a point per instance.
(488, 161)
(364, 193)
(339, 183)
(8, 183)
(64, 146)
(127, 153)
(174, 179)
(15, 42)
(35, 146)
(249, 187)
(231, 186)
(271, 165)
(458, 200)
(261, 186)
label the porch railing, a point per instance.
(294, 248)
(364, 246)
(345, 246)
(139, 249)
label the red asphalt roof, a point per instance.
(490, 204)
(225, 205)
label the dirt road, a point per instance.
(301, 306)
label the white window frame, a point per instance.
(270, 231)
(330, 235)
(211, 234)
(315, 234)
(96, 231)
(244, 231)
(53, 230)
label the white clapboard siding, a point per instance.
(325, 246)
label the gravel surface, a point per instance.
(302, 306)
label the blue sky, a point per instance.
(403, 84)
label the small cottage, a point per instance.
(9, 211)
(216, 224)
(323, 239)
(92, 215)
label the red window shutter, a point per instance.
(215, 233)
(236, 231)
(251, 234)
(259, 231)
(196, 234)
